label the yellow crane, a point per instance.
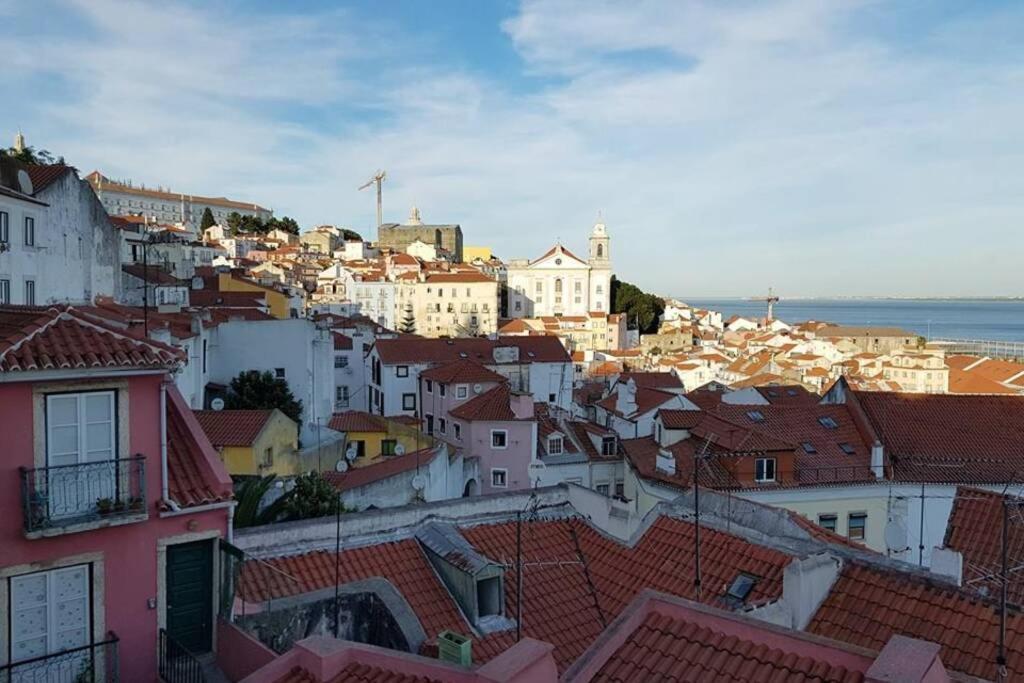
(378, 178)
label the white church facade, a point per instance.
(560, 283)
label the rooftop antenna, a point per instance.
(377, 179)
(697, 458)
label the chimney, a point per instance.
(948, 562)
(907, 660)
(878, 460)
(522, 405)
(665, 461)
(625, 398)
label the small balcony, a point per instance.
(64, 499)
(94, 663)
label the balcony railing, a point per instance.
(178, 665)
(95, 663)
(63, 495)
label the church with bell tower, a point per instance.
(560, 283)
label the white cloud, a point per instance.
(731, 146)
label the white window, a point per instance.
(5, 227)
(341, 396)
(499, 438)
(80, 429)
(555, 444)
(499, 478)
(457, 428)
(49, 612)
(461, 391)
(603, 488)
(30, 292)
(764, 469)
(5, 291)
(30, 231)
(279, 373)
(341, 361)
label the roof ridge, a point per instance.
(42, 323)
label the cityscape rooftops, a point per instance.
(233, 427)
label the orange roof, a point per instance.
(475, 276)
(195, 475)
(233, 427)
(461, 371)
(493, 405)
(356, 421)
(384, 467)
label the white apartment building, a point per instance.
(561, 283)
(56, 242)
(455, 304)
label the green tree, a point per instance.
(350, 235)
(249, 495)
(30, 155)
(641, 308)
(234, 222)
(286, 223)
(253, 389)
(313, 496)
(208, 220)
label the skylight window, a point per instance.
(790, 392)
(828, 423)
(809, 447)
(755, 416)
(847, 448)
(741, 586)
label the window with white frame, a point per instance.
(30, 292)
(341, 361)
(604, 488)
(499, 438)
(50, 613)
(30, 231)
(461, 391)
(499, 478)
(408, 401)
(555, 444)
(764, 470)
(5, 227)
(5, 291)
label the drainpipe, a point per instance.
(231, 523)
(165, 497)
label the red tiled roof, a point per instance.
(342, 342)
(60, 338)
(207, 297)
(559, 606)
(646, 400)
(974, 530)
(961, 382)
(493, 405)
(385, 467)
(195, 475)
(475, 276)
(642, 455)
(356, 672)
(462, 371)
(712, 648)
(356, 421)
(419, 350)
(42, 176)
(232, 427)
(947, 437)
(680, 419)
(866, 606)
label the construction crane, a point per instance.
(378, 178)
(771, 300)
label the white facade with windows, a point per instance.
(560, 283)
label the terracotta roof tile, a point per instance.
(42, 176)
(974, 530)
(232, 427)
(492, 405)
(59, 338)
(646, 401)
(419, 350)
(867, 605)
(384, 467)
(195, 475)
(356, 421)
(652, 380)
(462, 371)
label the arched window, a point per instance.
(600, 251)
(558, 286)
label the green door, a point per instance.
(190, 595)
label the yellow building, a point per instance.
(470, 254)
(372, 436)
(277, 303)
(253, 442)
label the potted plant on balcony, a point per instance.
(104, 506)
(135, 503)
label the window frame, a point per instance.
(504, 436)
(401, 371)
(774, 470)
(405, 401)
(556, 439)
(826, 516)
(863, 526)
(461, 391)
(5, 227)
(29, 233)
(503, 471)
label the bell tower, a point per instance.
(600, 255)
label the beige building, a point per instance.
(918, 372)
(870, 339)
(458, 304)
(322, 240)
(580, 333)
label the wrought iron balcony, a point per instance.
(94, 663)
(66, 495)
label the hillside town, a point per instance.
(241, 449)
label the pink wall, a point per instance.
(129, 551)
(238, 653)
(516, 458)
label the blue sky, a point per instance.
(822, 148)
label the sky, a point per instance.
(820, 147)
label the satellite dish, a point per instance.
(217, 404)
(25, 182)
(352, 452)
(399, 449)
(341, 465)
(477, 388)
(896, 536)
(419, 482)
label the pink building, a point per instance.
(473, 408)
(112, 503)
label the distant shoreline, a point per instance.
(859, 298)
